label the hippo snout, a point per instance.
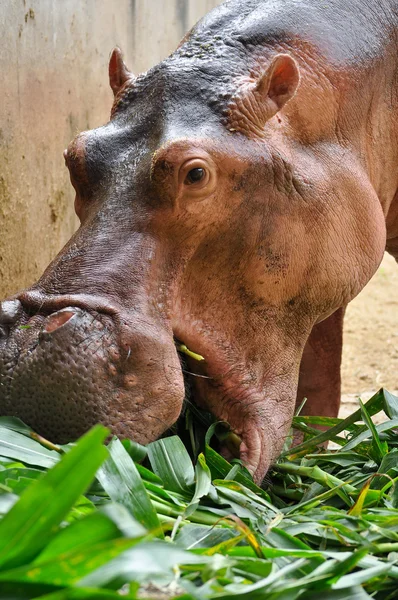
(48, 376)
(63, 372)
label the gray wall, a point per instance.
(53, 64)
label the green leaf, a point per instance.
(344, 459)
(202, 484)
(123, 519)
(135, 450)
(19, 479)
(350, 593)
(17, 446)
(142, 563)
(220, 468)
(15, 424)
(88, 531)
(362, 576)
(304, 545)
(69, 567)
(171, 462)
(390, 404)
(389, 464)
(358, 439)
(248, 591)
(394, 496)
(311, 420)
(356, 510)
(25, 591)
(33, 520)
(147, 475)
(122, 482)
(379, 449)
(199, 536)
(373, 406)
(349, 563)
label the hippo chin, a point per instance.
(240, 196)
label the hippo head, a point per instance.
(201, 224)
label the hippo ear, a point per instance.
(118, 72)
(255, 103)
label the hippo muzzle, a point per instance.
(65, 371)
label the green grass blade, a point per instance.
(32, 522)
(68, 568)
(220, 468)
(146, 560)
(171, 462)
(15, 424)
(135, 450)
(373, 406)
(390, 404)
(351, 593)
(88, 531)
(202, 484)
(362, 576)
(18, 446)
(379, 449)
(358, 439)
(18, 479)
(120, 479)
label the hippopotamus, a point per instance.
(242, 193)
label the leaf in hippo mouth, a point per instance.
(183, 348)
(197, 425)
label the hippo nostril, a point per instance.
(10, 311)
(55, 321)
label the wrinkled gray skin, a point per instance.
(290, 110)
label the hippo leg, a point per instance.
(320, 379)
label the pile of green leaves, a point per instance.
(90, 521)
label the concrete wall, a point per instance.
(53, 65)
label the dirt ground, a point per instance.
(370, 352)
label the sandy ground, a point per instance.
(370, 352)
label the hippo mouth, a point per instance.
(257, 415)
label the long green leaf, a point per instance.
(120, 479)
(202, 484)
(220, 468)
(143, 562)
(32, 522)
(89, 531)
(390, 404)
(171, 462)
(17, 446)
(358, 439)
(379, 449)
(373, 406)
(361, 576)
(71, 566)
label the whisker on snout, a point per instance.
(190, 372)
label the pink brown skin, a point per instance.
(241, 195)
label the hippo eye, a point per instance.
(195, 175)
